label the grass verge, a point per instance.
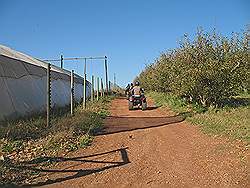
(232, 120)
(31, 140)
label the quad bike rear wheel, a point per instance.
(130, 105)
(144, 106)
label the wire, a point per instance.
(76, 58)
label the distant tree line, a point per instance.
(205, 70)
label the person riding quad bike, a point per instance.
(137, 97)
(127, 90)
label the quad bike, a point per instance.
(137, 100)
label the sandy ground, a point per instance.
(151, 148)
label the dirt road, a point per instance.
(151, 148)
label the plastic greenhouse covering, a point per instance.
(23, 85)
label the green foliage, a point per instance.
(176, 104)
(72, 146)
(228, 121)
(85, 140)
(12, 146)
(206, 70)
(27, 129)
(87, 124)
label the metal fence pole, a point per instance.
(106, 74)
(84, 86)
(102, 92)
(72, 93)
(109, 86)
(48, 93)
(92, 88)
(97, 90)
(61, 61)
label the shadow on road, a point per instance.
(152, 108)
(148, 108)
(29, 165)
(117, 124)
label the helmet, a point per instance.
(137, 83)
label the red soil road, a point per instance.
(151, 148)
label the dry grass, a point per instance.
(28, 140)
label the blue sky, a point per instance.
(132, 33)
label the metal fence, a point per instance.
(27, 89)
(31, 86)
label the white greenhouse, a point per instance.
(23, 88)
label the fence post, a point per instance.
(72, 93)
(97, 85)
(109, 86)
(92, 88)
(61, 61)
(48, 93)
(102, 92)
(84, 86)
(106, 74)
